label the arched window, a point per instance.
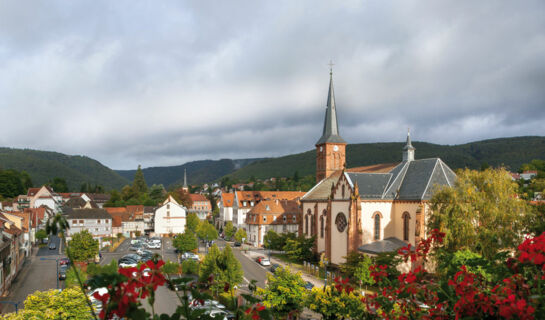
(343, 192)
(322, 217)
(306, 224)
(377, 217)
(406, 217)
(312, 225)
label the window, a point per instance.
(343, 192)
(264, 219)
(377, 226)
(75, 222)
(96, 229)
(322, 226)
(274, 218)
(98, 221)
(81, 222)
(168, 206)
(312, 226)
(285, 218)
(341, 222)
(406, 217)
(294, 218)
(306, 224)
(168, 213)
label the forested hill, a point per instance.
(511, 152)
(43, 166)
(198, 172)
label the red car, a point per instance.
(258, 259)
(64, 261)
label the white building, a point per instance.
(97, 221)
(170, 218)
(226, 208)
(281, 216)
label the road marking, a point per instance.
(247, 281)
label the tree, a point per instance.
(190, 266)
(333, 305)
(207, 231)
(41, 235)
(300, 249)
(59, 185)
(182, 197)
(186, 242)
(139, 183)
(284, 293)
(157, 193)
(192, 222)
(362, 272)
(480, 212)
(229, 230)
(82, 246)
(171, 268)
(69, 303)
(240, 235)
(223, 265)
(10, 184)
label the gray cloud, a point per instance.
(163, 83)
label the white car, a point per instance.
(154, 245)
(265, 262)
(190, 255)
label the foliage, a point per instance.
(229, 230)
(222, 266)
(449, 264)
(362, 272)
(182, 197)
(192, 222)
(207, 231)
(69, 303)
(300, 249)
(82, 246)
(535, 220)
(71, 277)
(97, 269)
(337, 301)
(58, 184)
(139, 183)
(171, 268)
(41, 234)
(157, 193)
(240, 234)
(89, 187)
(190, 266)
(185, 242)
(351, 263)
(13, 183)
(479, 212)
(284, 293)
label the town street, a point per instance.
(37, 274)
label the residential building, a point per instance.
(201, 206)
(11, 254)
(43, 196)
(528, 175)
(226, 203)
(149, 215)
(128, 220)
(281, 216)
(368, 208)
(246, 200)
(97, 221)
(170, 218)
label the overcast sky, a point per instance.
(166, 82)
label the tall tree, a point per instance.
(59, 185)
(10, 184)
(480, 212)
(285, 292)
(224, 266)
(83, 246)
(192, 222)
(139, 183)
(229, 230)
(240, 235)
(186, 242)
(157, 193)
(207, 231)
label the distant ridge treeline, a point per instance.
(510, 152)
(44, 166)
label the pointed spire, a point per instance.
(185, 178)
(331, 126)
(408, 149)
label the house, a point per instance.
(148, 216)
(97, 221)
(528, 175)
(226, 203)
(118, 214)
(79, 203)
(128, 220)
(281, 216)
(11, 254)
(170, 218)
(367, 208)
(42, 196)
(99, 198)
(201, 206)
(246, 200)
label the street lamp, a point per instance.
(57, 260)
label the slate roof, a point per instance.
(86, 213)
(331, 126)
(387, 245)
(409, 180)
(78, 202)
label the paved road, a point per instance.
(252, 270)
(36, 274)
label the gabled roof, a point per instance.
(78, 202)
(170, 199)
(197, 197)
(322, 190)
(228, 199)
(274, 208)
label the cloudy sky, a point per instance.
(165, 82)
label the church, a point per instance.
(369, 209)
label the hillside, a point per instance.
(511, 152)
(44, 166)
(198, 172)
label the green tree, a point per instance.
(192, 222)
(69, 303)
(190, 266)
(229, 230)
(171, 268)
(332, 304)
(300, 249)
(41, 235)
(240, 235)
(207, 231)
(285, 293)
(209, 265)
(139, 183)
(10, 184)
(71, 277)
(59, 185)
(182, 197)
(362, 272)
(479, 212)
(224, 266)
(82, 246)
(186, 242)
(157, 193)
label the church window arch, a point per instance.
(377, 216)
(406, 218)
(306, 224)
(341, 222)
(322, 223)
(343, 190)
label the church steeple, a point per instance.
(330, 149)
(408, 149)
(185, 188)
(331, 126)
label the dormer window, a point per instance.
(264, 219)
(267, 208)
(285, 218)
(294, 219)
(274, 218)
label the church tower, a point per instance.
(185, 187)
(408, 149)
(330, 149)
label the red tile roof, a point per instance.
(228, 199)
(274, 208)
(257, 196)
(197, 197)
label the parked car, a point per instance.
(136, 246)
(143, 251)
(127, 263)
(52, 246)
(308, 285)
(62, 271)
(274, 266)
(190, 255)
(265, 261)
(154, 245)
(64, 261)
(259, 258)
(237, 244)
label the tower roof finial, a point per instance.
(331, 126)
(331, 64)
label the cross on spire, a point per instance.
(331, 64)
